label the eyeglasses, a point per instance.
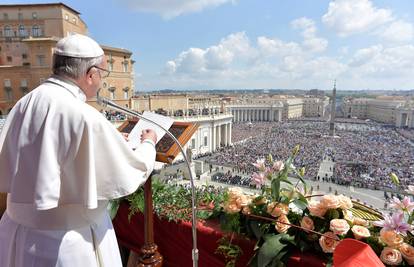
(102, 72)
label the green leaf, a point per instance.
(255, 227)
(275, 189)
(113, 207)
(272, 247)
(300, 204)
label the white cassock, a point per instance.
(60, 163)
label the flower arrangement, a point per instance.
(289, 218)
(286, 217)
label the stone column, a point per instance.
(213, 138)
(229, 131)
(225, 134)
(219, 136)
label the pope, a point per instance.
(61, 162)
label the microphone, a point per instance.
(104, 102)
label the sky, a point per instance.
(265, 44)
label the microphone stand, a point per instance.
(108, 103)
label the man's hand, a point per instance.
(149, 134)
(125, 136)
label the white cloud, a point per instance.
(384, 63)
(235, 62)
(365, 55)
(216, 57)
(398, 31)
(348, 17)
(274, 47)
(311, 42)
(172, 8)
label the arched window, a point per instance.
(22, 31)
(8, 31)
(36, 32)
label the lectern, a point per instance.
(167, 150)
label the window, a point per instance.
(110, 63)
(5, 16)
(7, 83)
(193, 143)
(41, 60)
(9, 59)
(20, 15)
(112, 92)
(125, 66)
(34, 15)
(9, 94)
(74, 20)
(66, 17)
(23, 86)
(126, 94)
(205, 140)
(22, 31)
(36, 32)
(24, 56)
(8, 89)
(8, 31)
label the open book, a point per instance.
(135, 135)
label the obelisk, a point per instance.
(333, 110)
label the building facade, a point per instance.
(28, 34)
(389, 110)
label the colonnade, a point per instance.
(256, 114)
(221, 134)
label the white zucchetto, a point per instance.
(78, 45)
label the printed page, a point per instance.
(135, 135)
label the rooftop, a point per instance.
(39, 5)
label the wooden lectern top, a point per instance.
(166, 148)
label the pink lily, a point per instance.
(395, 223)
(258, 179)
(260, 164)
(405, 205)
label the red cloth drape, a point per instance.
(174, 241)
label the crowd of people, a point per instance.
(229, 178)
(363, 154)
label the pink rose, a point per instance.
(328, 242)
(281, 226)
(360, 221)
(360, 232)
(330, 202)
(391, 238)
(391, 256)
(407, 252)
(339, 226)
(316, 208)
(307, 223)
(276, 209)
(344, 202)
(231, 208)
